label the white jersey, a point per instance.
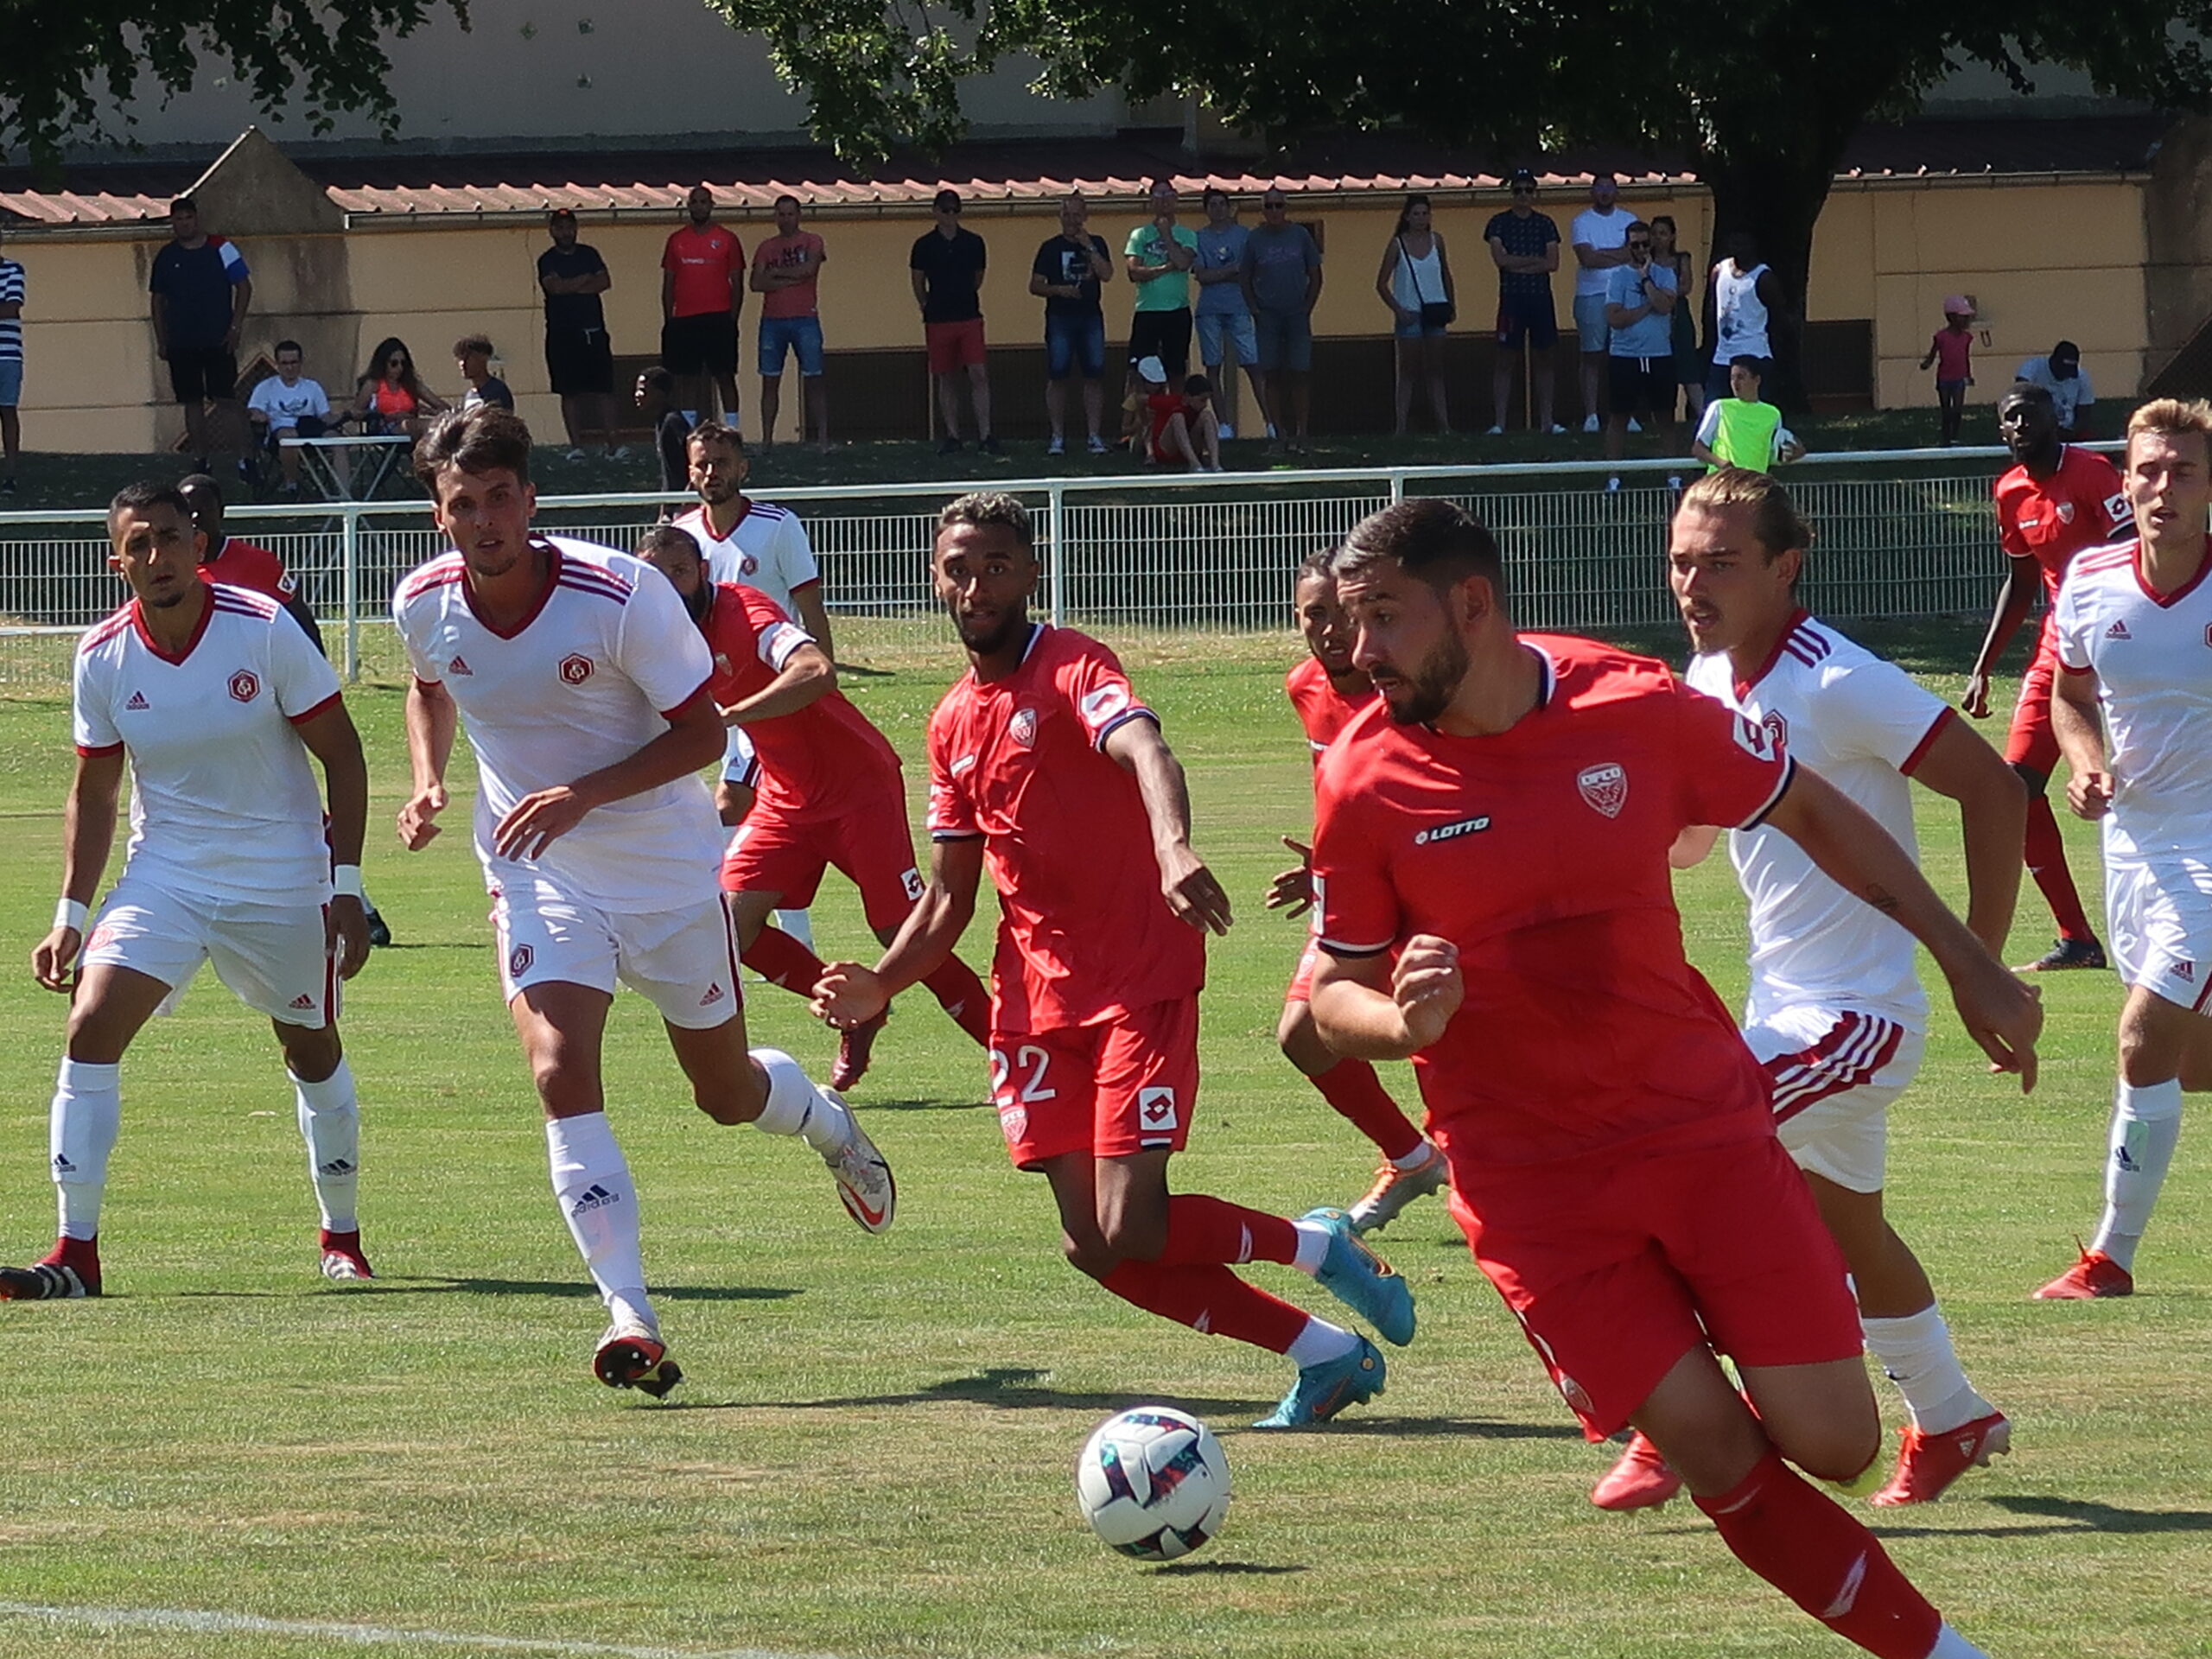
(1861, 723)
(767, 549)
(586, 680)
(223, 801)
(1739, 315)
(2153, 662)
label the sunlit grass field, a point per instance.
(870, 1455)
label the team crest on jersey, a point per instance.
(1156, 1110)
(518, 961)
(575, 669)
(245, 686)
(102, 935)
(1752, 738)
(2066, 512)
(747, 565)
(1776, 729)
(1605, 787)
(1022, 728)
(721, 662)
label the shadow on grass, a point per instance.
(1414, 1428)
(404, 945)
(1219, 1569)
(1008, 1387)
(2105, 1517)
(911, 1105)
(560, 1288)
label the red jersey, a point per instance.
(2049, 520)
(1322, 709)
(700, 261)
(241, 564)
(1084, 932)
(818, 763)
(1542, 853)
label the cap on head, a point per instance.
(1152, 371)
(1522, 179)
(1957, 305)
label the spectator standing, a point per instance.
(1640, 350)
(288, 405)
(1689, 367)
(390, 397)
(702, 298)
(1599, 233)
(579, 356)
(1161, 256)
(655, 397)
(1741, 430)
(1282, 281)
(1745, 296)
(11, 370)
(1067, 274)
(1951, 353)
(946, 268)
(786, 274)
(2061, 375)
(1224, 315)
(1524, 246)
(472, 355)
(202, 289)
(1415, 283)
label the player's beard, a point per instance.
(1011, 624)
(1417, 699)
(697, 601)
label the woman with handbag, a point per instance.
(1415, 283)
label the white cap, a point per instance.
(1151, 368)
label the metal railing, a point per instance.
(1900, 533)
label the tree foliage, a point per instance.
(71, 68)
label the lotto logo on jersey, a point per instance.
(1022, 728)
(245, 686)
(1156, 1110)
(1473, 826)
(1605, 787)
(575, 669)
(912, 882)
(1103, 704)
(2117, 510)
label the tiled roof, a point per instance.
(381, 186)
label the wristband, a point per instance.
(71, 912)
(346, 880)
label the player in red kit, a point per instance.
(828, 792)
(1045, 768)
(1491, 856)
(1328, 689)
(2058, 500)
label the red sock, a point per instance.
(1359, 1097)
(1206, 1232)
(1807, 1548)
(961, 994)
(782, 960)
(1213, 1301)
(2046, 854)
(82, 1255)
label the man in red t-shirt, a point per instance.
(1045, 768)
(701, 297)
(827, 792)
(1496, 904)
(2058, 500)
(787, 276)
(1328, 689)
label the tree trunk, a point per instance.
(1777, 198)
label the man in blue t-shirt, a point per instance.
(1224, 320)
(11, 368)
(202, 289)
(1524, 246)
(1640, 299)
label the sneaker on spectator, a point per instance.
(1098, 445)
(1635, 425)
(1058, 446)
(1272, 433)
(1558, 431)
(1228, 432)
(575, 454)
(1495, 432)
(1589, 423)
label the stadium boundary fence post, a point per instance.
(1397, 487)
(350, 578)
(1056, 519)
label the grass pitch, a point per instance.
(870, 1456)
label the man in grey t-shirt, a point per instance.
(1282, 281)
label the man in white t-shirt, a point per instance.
(287, 405)
(215, 702)
(2132, 714)
(1836, 1015)
(2061, 374)
(584, 688)
(1600, 236)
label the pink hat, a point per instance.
(1957, 305)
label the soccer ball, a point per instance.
(1153, 1483)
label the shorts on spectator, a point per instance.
(1527, 317)
(1417, 329)
(1642, 385)
(954, 345)
(1218, 329)
(1716, 377)
(1833, 1073)
(275, 959)
(1166, 335)
(782, 335)
(580, 362)
(1285, 341)
(1125, 1085)
(1958, 386)
(705, 344)
(208, 375)
(308, 426)
(2158, 923)
(11, 381)
(683, 962)
(1592, 334)
(1075, 346)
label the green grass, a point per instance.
(871, 1454)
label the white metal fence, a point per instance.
(1900, 533)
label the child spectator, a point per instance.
(1186, 434)
(1952, 353)
(472, 355)
(1739, 430)
(287, 405)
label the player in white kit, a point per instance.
(215, 700)
(583, 687)
(2133, 713)
(1836, 1013)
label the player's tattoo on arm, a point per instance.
(1880, 897)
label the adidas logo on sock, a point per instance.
(137, 700)
(335, 1166)
(595, 1197)
(62, 1165)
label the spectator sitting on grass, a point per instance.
(655, 401)
(472, 355)
(1739, 430)
(1186, 434)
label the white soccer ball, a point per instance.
(1153, 1482)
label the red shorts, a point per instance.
(1617, 1266)
(2031, 742)
(870, 843)
(954, 345)
(1125, 1085)
(1301, 982)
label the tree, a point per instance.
(65, 63)
(1759, 97)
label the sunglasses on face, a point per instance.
(1524, 189)
(1639, 247)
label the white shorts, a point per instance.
(683, 962)
(741, 765)
(2158, 917)
(1834, 1072)
(275, 958)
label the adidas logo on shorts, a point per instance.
(302, 1000)
(714, 995)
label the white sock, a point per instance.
(1916, 1354)
(592, 1184)
(2145, 1124)
(1313, 1240)
(1420, 1154)
(797, 1107)
(80, 1130)
(330, 1122)
(1318, 1342)
(1949, 1644)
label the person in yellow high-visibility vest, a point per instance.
(1739, 430)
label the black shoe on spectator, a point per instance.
(990, 445)
(7, 486)
(949, 445)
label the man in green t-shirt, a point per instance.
(1740, 430)
(1160, 257)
